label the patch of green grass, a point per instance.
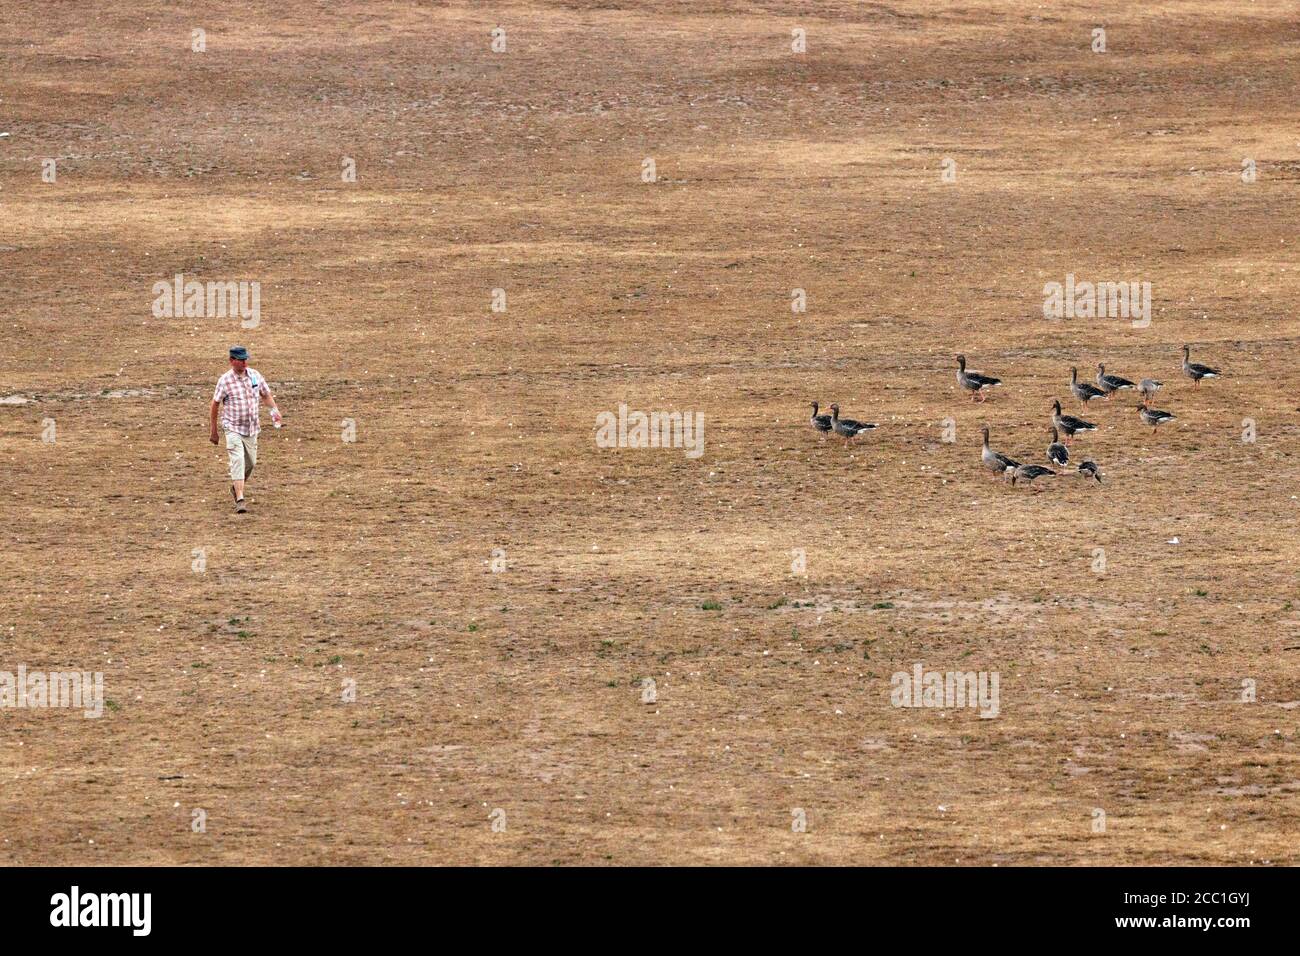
(882, 605)
(1201, 592)
(111, 704)
(780, 602)
(336, 659)
(198, 664)
(711, 606)
(473, 627)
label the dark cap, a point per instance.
(239, 352)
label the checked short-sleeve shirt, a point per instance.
(240, 398)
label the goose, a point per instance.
(1029, 472)
(1068, 423)
(1082, 390)
(974, 382)
(820, 422)
(847, 428)
(1089, 469)
(995, 461)
(1154, 417)
(1111, 383)
(1195, 371)
(1057, 453)
(1148, 387)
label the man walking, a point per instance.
(237, 400)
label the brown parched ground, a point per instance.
(1121, 619)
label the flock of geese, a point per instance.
(1058, 453)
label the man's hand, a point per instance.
(213, 410)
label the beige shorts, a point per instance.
(242, 450)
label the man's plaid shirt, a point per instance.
(238, 395)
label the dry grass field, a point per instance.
(1121, 655)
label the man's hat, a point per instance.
(239, 352)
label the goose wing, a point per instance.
(1031, 472)
(856, 426)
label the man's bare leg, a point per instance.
(237, 487)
